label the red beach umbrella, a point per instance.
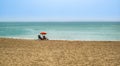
(43, 33)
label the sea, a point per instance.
(83, 31)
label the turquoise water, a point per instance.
(100, 31)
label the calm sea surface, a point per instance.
(100, 31)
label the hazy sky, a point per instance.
(38, 10)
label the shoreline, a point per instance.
(56, 39)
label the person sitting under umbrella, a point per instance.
(43, 36)
(39, 37)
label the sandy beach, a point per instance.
(19, 52)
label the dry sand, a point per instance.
(16, 52)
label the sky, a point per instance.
(59, 10)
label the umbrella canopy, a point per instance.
(43, 33)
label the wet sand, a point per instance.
(18, 52)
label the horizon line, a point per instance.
(59, 19)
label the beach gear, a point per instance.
(43, 33)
